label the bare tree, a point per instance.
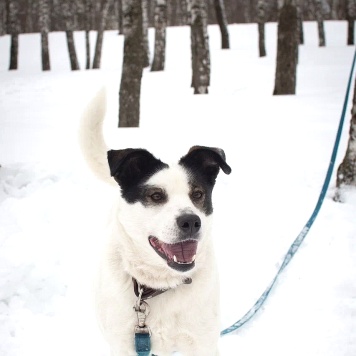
(88, 6)
(160, 35)
(146, 62)
(120, 17)
(346, 173)
(222, 21)
(14, 30)
(44, 19)
(68, 8)
(199, 47)
(300, 4)
(318, 6)
(287, 50)
(261, 19)
(132, 68)
(105, 6)
(350, 17)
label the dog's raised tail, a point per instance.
(91, 138)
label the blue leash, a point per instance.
(298, 241)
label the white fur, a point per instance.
(186, 317)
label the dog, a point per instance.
(158, 283)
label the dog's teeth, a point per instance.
(183, 263)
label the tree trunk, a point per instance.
(67, 8)
(146, 62)
(120, 17)
(319, 19)
(87, 49)
(100, 34)
(160, 35)
(45, 51)
(300, 22)
(346, 173)
(98, 48)
(199, 47)
(287, 50)
(350, 17)
(14, 29)
(74, 64)
(88, 10)
(222, 21)
(350, 31)
(14, 51)
(130, 87)
(261, 39)
(261, 19)
(44, 19)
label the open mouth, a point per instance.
(179, 256)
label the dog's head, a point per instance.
(167, 208)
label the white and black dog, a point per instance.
(159, 257)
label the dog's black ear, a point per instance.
(131, 166)
(206, 160)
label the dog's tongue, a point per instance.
(181, 252)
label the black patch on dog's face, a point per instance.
(203, 165)
(131, 168)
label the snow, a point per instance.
(53, 211)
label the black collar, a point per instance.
(148, 292)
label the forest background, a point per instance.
(237, 11)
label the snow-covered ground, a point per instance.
(52, 211)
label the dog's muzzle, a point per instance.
(181, 255)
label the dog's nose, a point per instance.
(189, 224)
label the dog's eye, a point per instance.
(157, 196)
(197, 194)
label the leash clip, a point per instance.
(142, 310)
